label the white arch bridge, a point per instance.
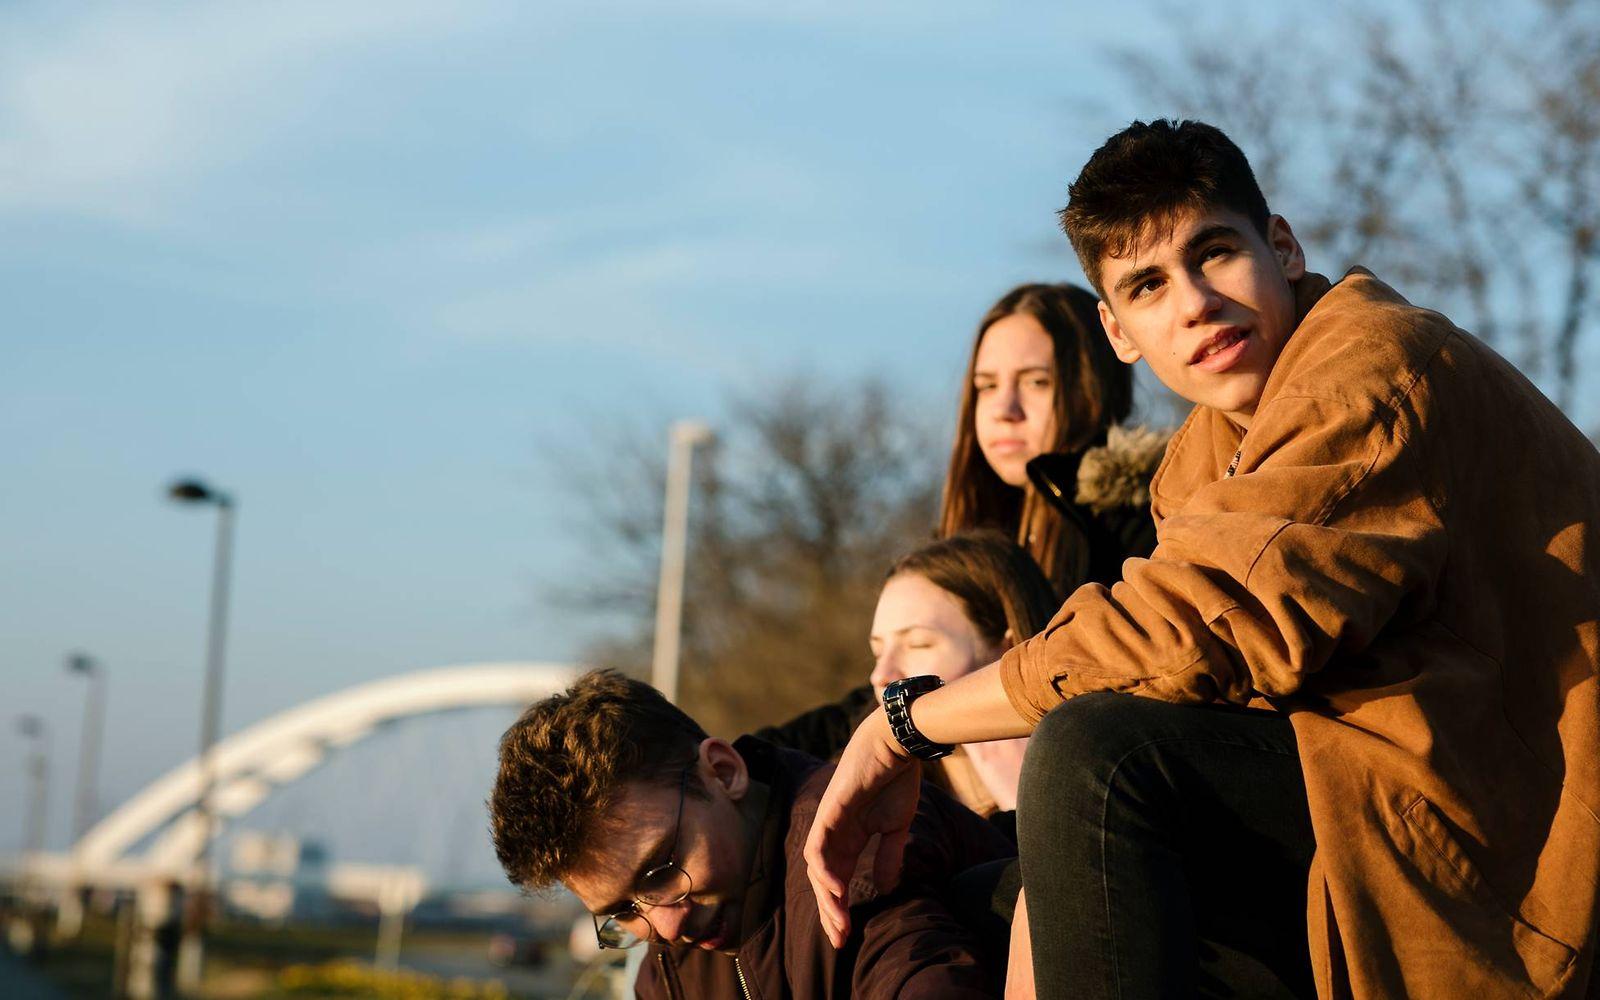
(275, 752)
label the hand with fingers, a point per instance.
(872, 794)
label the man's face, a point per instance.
(1209, 307)
(641, 829)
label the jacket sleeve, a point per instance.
(913, 948)
(823, 731)
(1326, 534)
(913, 944)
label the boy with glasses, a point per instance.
(692, 845)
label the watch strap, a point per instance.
(897, 699)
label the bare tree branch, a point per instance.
(809, 495)
(1460, 158)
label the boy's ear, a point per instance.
(721, 765)
(1291, 256)
(1126, 352)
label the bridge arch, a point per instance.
(279, 750)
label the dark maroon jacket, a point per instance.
(904, 945)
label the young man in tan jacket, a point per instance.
(1346, 717)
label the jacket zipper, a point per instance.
(667, 980)
(744, 987)
(672, 985)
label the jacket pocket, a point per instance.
(1486, 923)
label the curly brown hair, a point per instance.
(564, 760)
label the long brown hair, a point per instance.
(1093, 390)
(1000, 587)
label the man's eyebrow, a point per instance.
(648, 862)
(1135, 278)
(1207, 234)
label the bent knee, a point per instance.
(1089, 726)
(1087, 736)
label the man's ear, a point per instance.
(1126, 352)
(721, 765)
(1291, 256)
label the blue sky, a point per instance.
(361, 263)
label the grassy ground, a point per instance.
(310, 962)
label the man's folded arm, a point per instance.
(1325, 536)
(914, 948)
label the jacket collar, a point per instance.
(764, 893)
(1204, 446)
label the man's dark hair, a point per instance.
(563, 762)
(1135, 186)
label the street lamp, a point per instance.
(682, 439)
(33, 729)
(94, 716)
(191, 952)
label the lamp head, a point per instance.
(189, 491)
(692, 432)
(196, 491)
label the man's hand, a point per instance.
(873, 792)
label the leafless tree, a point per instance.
(1454, 147)
(798, 510)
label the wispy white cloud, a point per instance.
(620, 298)
(620, 269)
(110, 111)
(643, 295)
(898, 16)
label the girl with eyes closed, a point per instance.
(947, 609)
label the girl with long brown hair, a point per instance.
(1043, 380)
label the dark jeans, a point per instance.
(1146, 828)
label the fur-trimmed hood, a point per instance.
(1117, 473)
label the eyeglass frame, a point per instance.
(637, 906)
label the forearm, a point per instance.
(872, 796)
(970, 709)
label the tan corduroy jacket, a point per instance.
(1405, 560)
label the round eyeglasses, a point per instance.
(664, 885)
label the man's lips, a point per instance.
(1220, 351)
(716, 935)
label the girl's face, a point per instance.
(1014, 383)
(920, 628)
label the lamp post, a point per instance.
(94, 716)
(682, 439)
(191, 954)
(33, 729)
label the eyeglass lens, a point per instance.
(663, 885)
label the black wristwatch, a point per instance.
(897, 699)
